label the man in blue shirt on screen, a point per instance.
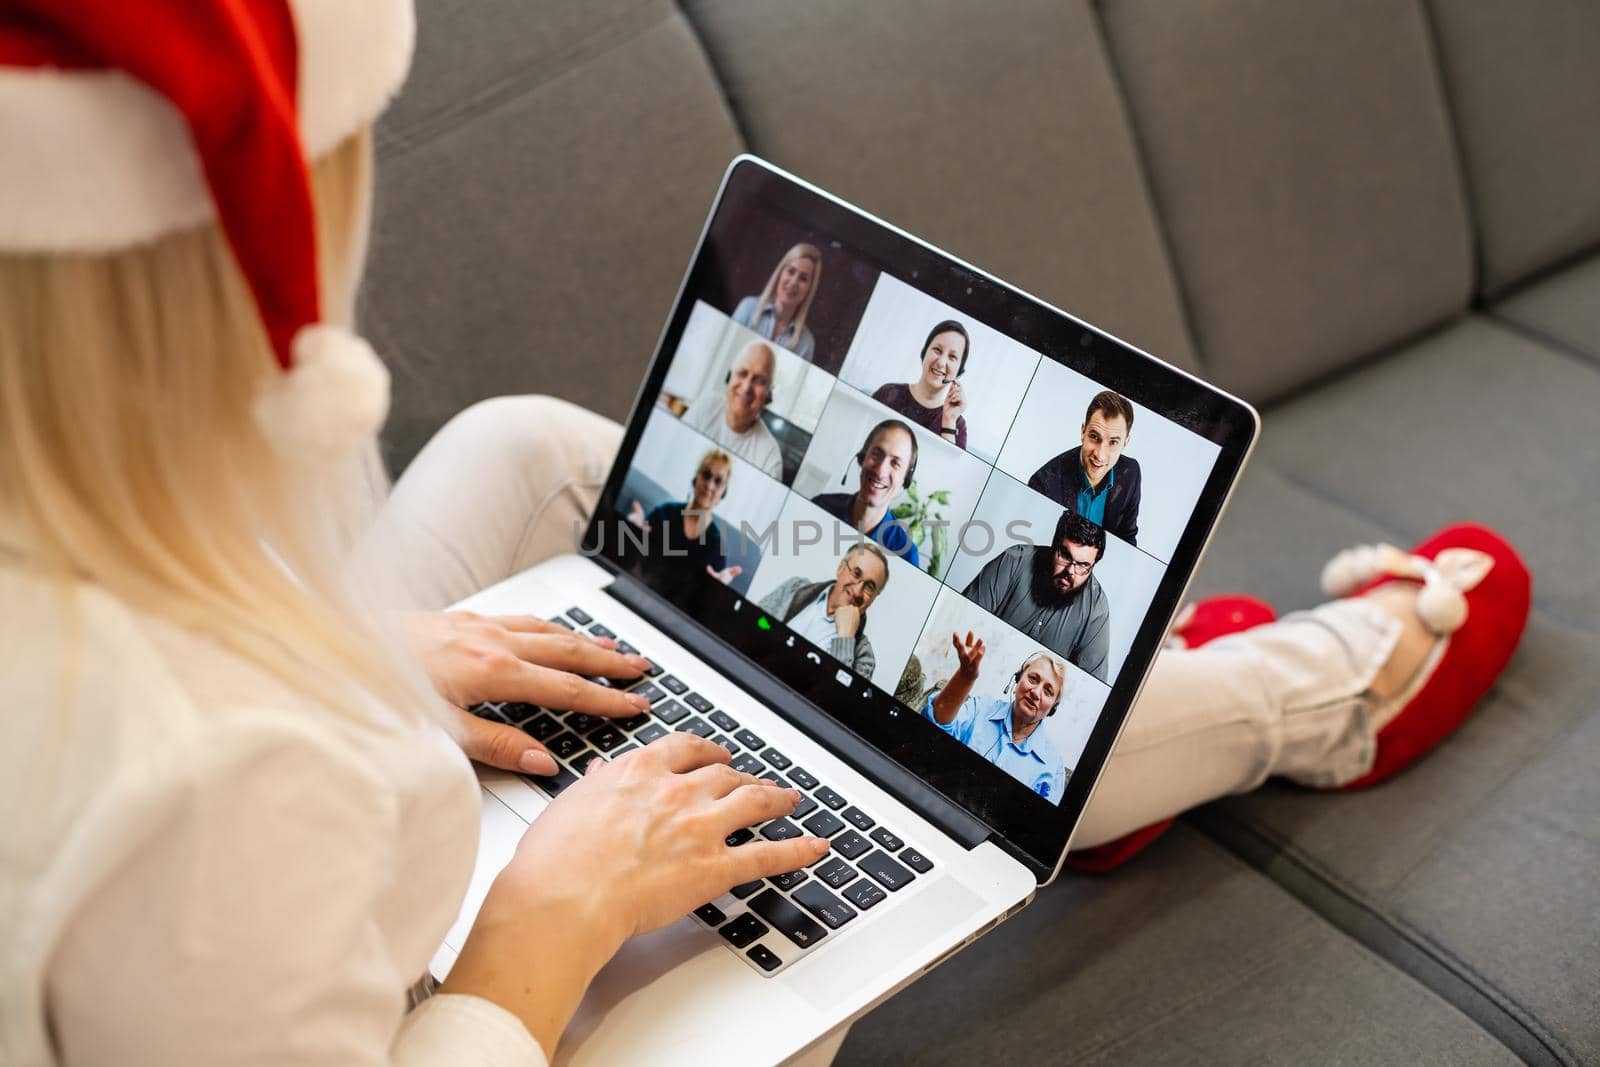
(1005, 730)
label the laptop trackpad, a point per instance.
(892, 936)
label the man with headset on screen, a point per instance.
(1005, 729)
(733, 419)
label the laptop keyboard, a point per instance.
(769, 923)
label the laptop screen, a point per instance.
(953, 518)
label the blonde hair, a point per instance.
(130, 457)
(800, 251)
(713, 456)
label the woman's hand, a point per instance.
(633, 846)
(955, 404)
(472, 658)
(636, 515)
(726, 575)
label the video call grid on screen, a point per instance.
(832, 421)
(804, 385)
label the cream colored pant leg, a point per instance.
(508, 482)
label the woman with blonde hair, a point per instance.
(779, 311)
(240, 815)
(686, 533)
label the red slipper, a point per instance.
(1496, 613)
(1210, 619)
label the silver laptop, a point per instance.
(948, 528)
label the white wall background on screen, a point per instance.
(887, 347)
(1173, 462)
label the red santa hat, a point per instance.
(125, 120)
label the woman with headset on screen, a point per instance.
(1005, 730)
(779, 311)
(935, 400)
(242, 819)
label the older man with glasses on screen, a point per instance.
(1051, 594)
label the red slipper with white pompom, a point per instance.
(1198, 624)
(1476, 595)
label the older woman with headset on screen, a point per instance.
(779, 311)
(935, 399)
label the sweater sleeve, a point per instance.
(242, 926)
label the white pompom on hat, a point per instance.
(122, 122)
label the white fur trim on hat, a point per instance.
(334, 398)
(95, 161)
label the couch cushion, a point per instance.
(538, 198)
(1305, 176)
(1523, 81)
(1563, 309)
(999, 138)
(1184, 956)
(1481, 858)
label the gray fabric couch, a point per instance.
(1377, 219)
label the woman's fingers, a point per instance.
(683, 752)
(756, 803)
(763, 859)
(563, 691)
(527, 624)
(717, 780)
(498, 745)
(580, 655)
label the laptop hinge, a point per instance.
(906, 787)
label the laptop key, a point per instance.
(775, 778)
(750, 740)
(654, 732)
(518, 712)
(561, 620)
(889, 842)
(748, 764)
(850, 844)
(765, 958)
(885, 871)
(915, 860)
(696, 726)
(858, 818)
(625, 748)
(565, 745)
(802, 778)
(653, 669)
(740, 836)
(777, 759)
(607, 738)
(830, 798)
(804, 808)
(833, 912)
(582, 760)
(780, 830)
(824, 824)
(670, 712)
(626, 649)
(555, 783)
(788, 881)
(744, 889)
(697, 702)
(579, 723)
(579, 616)
(836, 873)
(787, 919)
(601, 631)
(632, 722)
(710, 914)
(744, 930)
(864, 893)
(650, 691)
(724, 720)
(673, 684)
(542, 727)
(728, 743)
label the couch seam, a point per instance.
(1590, 361)
(1458, 154)
(491, 97)
(1229, 834)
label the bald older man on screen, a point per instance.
(732, 418)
